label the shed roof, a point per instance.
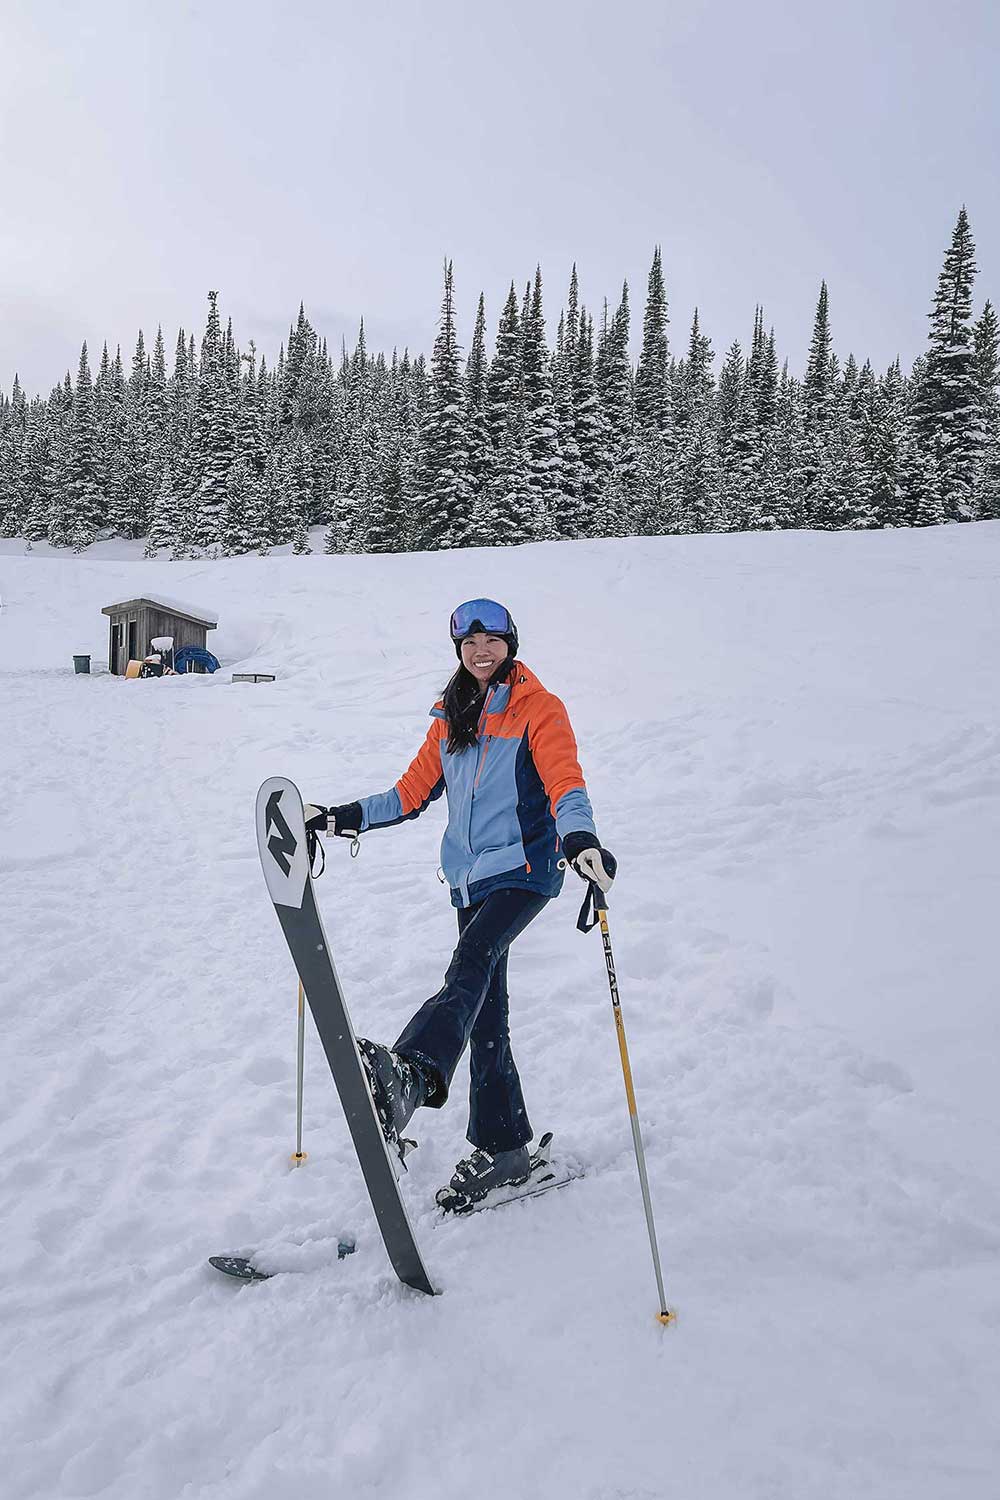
(193, 612)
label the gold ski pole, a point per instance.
(601, 908)
(300, 1155)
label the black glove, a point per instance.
(344, 821)
(589, 860)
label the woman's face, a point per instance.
(482, 654)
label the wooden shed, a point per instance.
(135, 623)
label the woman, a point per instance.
(502, 749)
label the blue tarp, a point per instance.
(198, 657)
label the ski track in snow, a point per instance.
(793, 745)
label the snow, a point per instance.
(177, 606)
(792, 744)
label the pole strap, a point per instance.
(594, 902)
(314, 849)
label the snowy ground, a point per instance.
(793, 746)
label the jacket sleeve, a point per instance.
(420, 785)
(553, 749)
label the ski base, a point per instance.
(245, 1270)
(544, 1178)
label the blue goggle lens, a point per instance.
(487, 613)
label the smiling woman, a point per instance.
(502, 749)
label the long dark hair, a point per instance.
(463, 704)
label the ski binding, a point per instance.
(543, 1178)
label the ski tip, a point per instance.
(243, 1269)
(238, 1266)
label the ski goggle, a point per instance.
(486, 614)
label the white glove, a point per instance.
(590, 860)
(591, 866)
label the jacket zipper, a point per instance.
(479, 768)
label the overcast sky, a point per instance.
(337, 152)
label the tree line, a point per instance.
(543, 440)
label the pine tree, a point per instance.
(987, 335)
(819, 380)
(652, 384)
(387, 530)
(478, 440)
(947, 410)
(13, 490)
(506, 517)
(920, 477)
(241, 526)
(881, 429)
(213, 447)
(87, 506)
(505, 398)
(697, 477)
(736, 432)
(653, 509)
(567, 518)
(443, 498)
(540, 429)
(163, 525)
(589, 430)
(59, 469)
(300, 536)
(136, 480)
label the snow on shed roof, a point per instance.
(172, 606)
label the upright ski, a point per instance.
(281, 842)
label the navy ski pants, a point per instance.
(471, 1007)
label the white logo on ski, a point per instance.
(286, 864)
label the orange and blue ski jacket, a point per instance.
(511, 800)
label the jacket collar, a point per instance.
(518, 685)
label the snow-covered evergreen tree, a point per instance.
(987, 336)
(87, 505)
(568, 519)
(241, 525)
(213, 445)
(652, 382)
(443, 497)
(819, 381)
(478, 440)
(947, 406)
(13, 489)
(589, 430)
(163, 525)
(696, 458)
(505, 395)
(541, 441)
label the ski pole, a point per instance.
(600, 902)
(300, 1155)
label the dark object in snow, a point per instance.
(245, 1270)
(81, 664)
(195, 659)
(136, 623)
(253, 676)
(543, 1178)
(284, 855)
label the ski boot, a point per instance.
(398, 1088)
(480, 1173)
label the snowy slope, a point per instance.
(793, 746)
